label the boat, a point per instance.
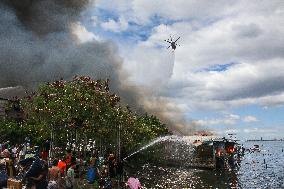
(218, 153)
(255, 148)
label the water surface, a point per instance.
(264, 169)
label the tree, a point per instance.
(84, 108)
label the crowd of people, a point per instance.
(35, 169)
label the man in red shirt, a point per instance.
(62, 166)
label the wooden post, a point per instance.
(51, 145)
(214, 155)
(119, 143)
(85, 145)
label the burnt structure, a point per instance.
(218, 153)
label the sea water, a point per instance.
(257, 170)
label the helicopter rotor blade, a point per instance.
(167, 41)
(177, 39)
(169, 47)
(171, 38)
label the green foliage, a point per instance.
(9, 131)
(143, 129)
(15, 131)
(85, 106)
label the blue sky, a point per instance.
(228, 73)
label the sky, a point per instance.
(227, 75)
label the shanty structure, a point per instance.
(219, 153)
(15, 112)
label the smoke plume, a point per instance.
(38, 44)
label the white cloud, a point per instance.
(248, 33)
(230, 119)
(82, 33)
(250, 119)
(95, 20)
(115, 26)
(153, 69)
(143, 10)
(227, 119)
(118, 6)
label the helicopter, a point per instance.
(173, 43)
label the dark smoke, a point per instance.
(38, 45)
(47, 16)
